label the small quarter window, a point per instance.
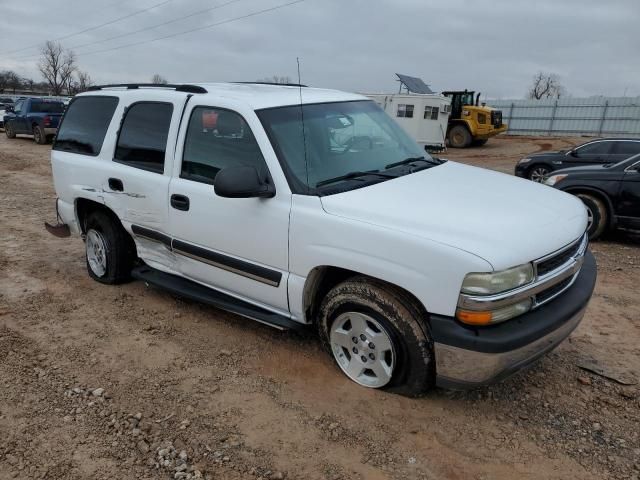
(218, 138)
(85, 124)
(143, 136)
(405, 111)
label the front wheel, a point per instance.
(597, 215)
(378, 337)
(9, 131)
(538, 173)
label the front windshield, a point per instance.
(341, 138)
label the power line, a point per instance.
(110, 22)
(199, 12)
(211, 25)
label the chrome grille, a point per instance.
(549, 264)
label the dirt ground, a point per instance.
(100, 382)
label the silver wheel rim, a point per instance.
(538, 174)
(36, 134)
(589, 218)
(96, 253)
(363, 349)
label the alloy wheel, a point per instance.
(96, 253)
(363, 349)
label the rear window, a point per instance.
(47, 107)
(85, 124)
(143, 135)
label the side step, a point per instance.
(195, 291)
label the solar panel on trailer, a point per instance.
(414, 84)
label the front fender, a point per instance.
(431, 271)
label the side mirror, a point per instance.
(242, 182)
(573, 153)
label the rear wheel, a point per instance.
(8, 131)
(110, 250)
(537, 173)
(597, 214)
(459, 137)
(39, 135)
(377, 336)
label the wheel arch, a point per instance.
(322, 279)
(601, 195)
(84, 207)
(460, 121)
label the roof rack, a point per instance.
(275, 83)
(132, 86)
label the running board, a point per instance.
(200, 293)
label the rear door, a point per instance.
(590, 154)
(136, 183)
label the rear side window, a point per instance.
(626, 148)
(143, 135)
(85, 124)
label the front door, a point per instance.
(235, 245)
(628, 208)
(589, 154)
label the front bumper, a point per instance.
(521, 169)
(468, 357)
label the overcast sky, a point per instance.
(493, 46)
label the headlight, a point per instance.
(524, 160)
(496, 282)
(553, 179)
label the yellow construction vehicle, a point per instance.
(471, 123)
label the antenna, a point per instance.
(304, 133)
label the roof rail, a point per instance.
(132, 86)
(275, 83)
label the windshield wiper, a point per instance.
(355, 174)
(410, 160)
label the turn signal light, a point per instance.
(474, 318)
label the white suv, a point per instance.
(298, 206)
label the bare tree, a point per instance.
(57, 66)
(281, 79)
(84, 81)
(159, 79)
(546, 85)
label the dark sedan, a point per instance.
(611, 193)
(603, 150)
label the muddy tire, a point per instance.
(110, 250)
(598, 215)
(9, 131)
(459, 137)
(39, 135)
(378, 336)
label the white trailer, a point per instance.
(423, 116)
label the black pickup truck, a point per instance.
(33, 116)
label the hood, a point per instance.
(505, 220)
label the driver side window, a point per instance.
(18, 107)
(596, 148)
(218, 138)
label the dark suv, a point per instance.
(610, 192)
(603, 150)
